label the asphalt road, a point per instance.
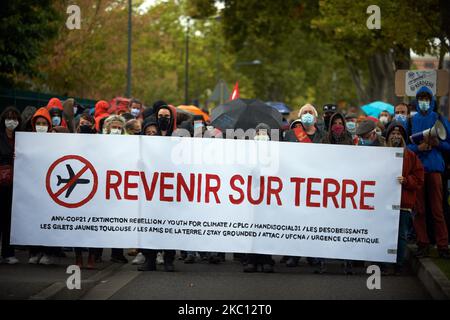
(200, 281)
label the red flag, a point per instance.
(235, 93)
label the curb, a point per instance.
(433, 279)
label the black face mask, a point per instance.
(86, 129)
(164, 123)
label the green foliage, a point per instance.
(24, 28)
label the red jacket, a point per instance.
(414, 174)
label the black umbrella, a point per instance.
(245, 114)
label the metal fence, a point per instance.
(22, 98)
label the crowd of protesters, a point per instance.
(424, 167)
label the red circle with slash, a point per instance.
(55, 195)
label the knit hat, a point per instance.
(396, 124)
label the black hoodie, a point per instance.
(173, 119)
(329, 138)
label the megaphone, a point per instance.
(438, 131)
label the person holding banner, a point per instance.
(42, 123)
(411, 180)
(10, 121)
(430, 151)
(253, 259)
(308, 131)
(166, 122)
(304, 130)
(115, 124)
(337, 134)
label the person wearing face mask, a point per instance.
(412, 179)
(135, 108)
(431, 152)
(114, 125)
(337, 134)
(384, 119)
(10, 122)
(254, 259)
(350, 123)
(402, 115)
(86, 124)
(56, 111)
(328, 110)
(303, 130)
(166, 116)
(307, 131)
(41, 121)
(367, 135)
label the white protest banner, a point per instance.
(219, 195)
(414, 80)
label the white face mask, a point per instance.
(115, 131)
(41, 129)
(11, 124)
(384, 119)
(262, 137)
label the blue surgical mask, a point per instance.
(307, 119)
(56, 121)
(365, 142)
(135, 112)
(351, 126)
(400, 117)
(424, 105)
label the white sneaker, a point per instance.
(11, 260)
(46, 260)
(159, 258)
(34, 259)
(139, 259)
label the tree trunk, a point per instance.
(355, 72)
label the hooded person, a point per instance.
(26, 116)
(328, 110)
(56, 111)
(10, 123)
(255, 259)
(338, 132)
(431, 153)
(150, 126)
(166, 118)
(41, 121)
(101, 107)
(412, 179)
(158, 104)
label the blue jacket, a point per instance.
(433, 160)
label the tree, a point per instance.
(26, 26)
